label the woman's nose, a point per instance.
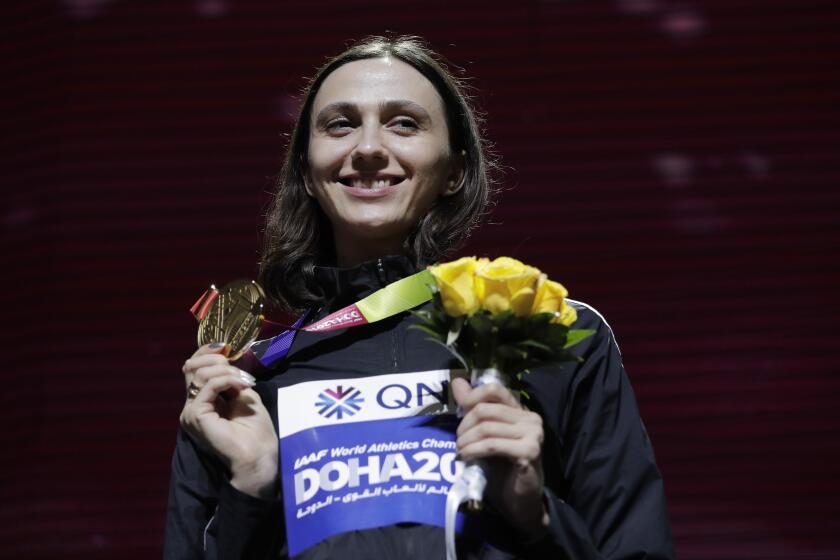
(370, 145)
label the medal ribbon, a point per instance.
(386, 302)
(202, 306)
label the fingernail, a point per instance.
(217, 345)
(247, 377)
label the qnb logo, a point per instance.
(339, 402)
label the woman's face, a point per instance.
(379, 152)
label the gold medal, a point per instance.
(231, 314)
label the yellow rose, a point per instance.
(455, 280)
(506, 283)
(551, 298)
(568, 315)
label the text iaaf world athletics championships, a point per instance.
(384, 447)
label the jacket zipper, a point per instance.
(380, 273)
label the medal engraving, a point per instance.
(233, 315)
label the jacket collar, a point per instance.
(343, 286)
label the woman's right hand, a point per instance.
(228, 417)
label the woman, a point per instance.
(385, 172)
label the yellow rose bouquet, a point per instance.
(500, 314)
(499, 318)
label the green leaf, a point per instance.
(440, 320)
(423, 315)
(577, 335)
(502, 316)
(554, 337)
(540, 318)
(428, 330)
(509, 352)
(481, 323)
(464, 362)
(537, 345)
(454, 330)
(509, 324)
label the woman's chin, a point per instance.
(378, 236)
(375, 227)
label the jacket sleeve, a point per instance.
(193, 497)
(207, 518)
(248, 527)
(612, 504)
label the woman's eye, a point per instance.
(338, 125)
(405, 123)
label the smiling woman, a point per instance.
(379, 155)
(383, 110)
(346, 448)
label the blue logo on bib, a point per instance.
(339, 402)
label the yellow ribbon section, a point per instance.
(397, 296)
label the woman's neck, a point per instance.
(351, 251)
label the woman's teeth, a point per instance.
(371, 183)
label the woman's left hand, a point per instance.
(497, 428)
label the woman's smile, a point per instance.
(370, 186)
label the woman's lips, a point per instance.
(371, 188)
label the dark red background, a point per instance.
(675, 164)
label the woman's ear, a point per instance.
(306, 185)
(304, 173)
(455, 181)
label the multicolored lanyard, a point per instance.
(394, 298)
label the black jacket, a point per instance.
(604, 492)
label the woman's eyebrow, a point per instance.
(405, 105)
(337, 107)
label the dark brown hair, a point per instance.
(298, 235)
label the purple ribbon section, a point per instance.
(281, 344)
